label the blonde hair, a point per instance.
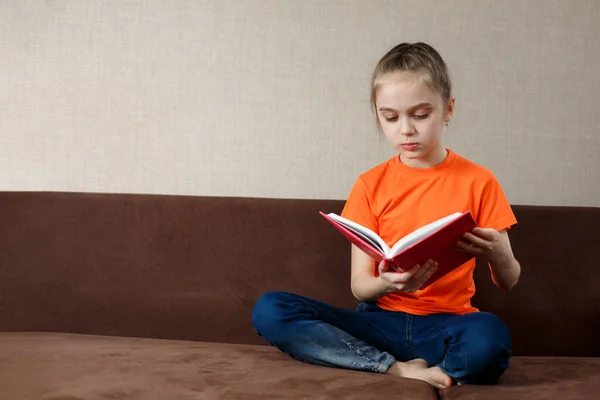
(417, 57)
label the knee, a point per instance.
(486, 346)
(269, 309)
(487, 337)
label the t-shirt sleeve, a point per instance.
(358, 207)
(494, 209)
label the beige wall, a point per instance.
(269, 98)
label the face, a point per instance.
(412, 117)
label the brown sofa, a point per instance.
(113, 296)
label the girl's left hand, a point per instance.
(485, 242)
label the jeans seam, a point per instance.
(409, 337)
(443, 364)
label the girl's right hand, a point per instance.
(409, 281)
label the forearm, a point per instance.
(366, 287)
(495, 247)
(505, 271)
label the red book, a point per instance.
(435, 241)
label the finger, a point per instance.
(420, 277)
(416, 283)
(464, 244)
(468, 248)
(476, 240)
(383, 267)
(422, 271)
(403, 277)
(486, 233)
(428, 275)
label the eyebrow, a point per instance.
(420, 105)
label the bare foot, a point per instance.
(418, 369)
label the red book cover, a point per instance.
(439, 245)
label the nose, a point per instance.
(406, 127)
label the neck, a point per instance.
(435, 157)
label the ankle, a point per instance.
(396, 369)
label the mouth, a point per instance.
(409, 146)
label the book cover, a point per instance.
(439, 245)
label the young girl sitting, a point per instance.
(434, 334)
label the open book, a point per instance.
(436, 240)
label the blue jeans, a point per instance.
(473, 349)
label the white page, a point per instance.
(366, 233)
(422, 232)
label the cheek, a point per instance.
(389, 133)
(386, 127)
(431, 127)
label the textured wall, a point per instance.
(269, 98)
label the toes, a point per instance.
(438, 385)
(443, 379)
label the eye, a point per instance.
(421, 116)
(391, 119)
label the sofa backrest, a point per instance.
(186, 267)
(554, 310)
(175, 267)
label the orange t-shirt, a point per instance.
(393, 199)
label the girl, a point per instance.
(434, 334)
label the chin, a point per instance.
(412, 155)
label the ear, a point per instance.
(449, 109)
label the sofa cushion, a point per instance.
(538, 378)
(56, 366)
